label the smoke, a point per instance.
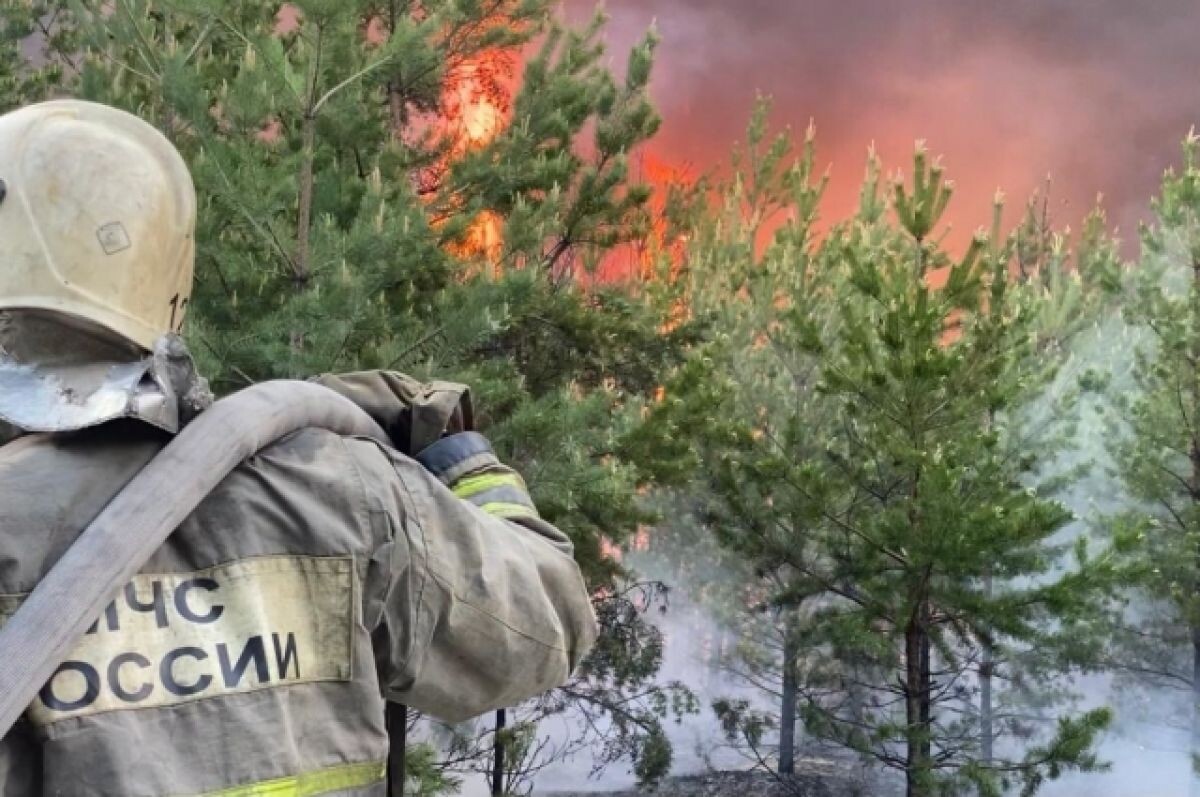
(1096, 93)
(1146, 756)
(691, 638)
(1146, 747)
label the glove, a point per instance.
(414, 414)
(466, 464)
(432, 423)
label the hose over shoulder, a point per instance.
(110, 551)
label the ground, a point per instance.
(816, 777)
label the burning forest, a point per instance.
(880, 482)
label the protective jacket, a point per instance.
(253, 652)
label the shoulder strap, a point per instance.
(55, 616)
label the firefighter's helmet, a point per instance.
(97, 219)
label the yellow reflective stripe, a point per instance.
(310, 784)
(473, 485)
(507, 510)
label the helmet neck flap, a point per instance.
(59, 373)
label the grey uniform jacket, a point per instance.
(253, 653)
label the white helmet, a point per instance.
(97, 225)
(97, 219)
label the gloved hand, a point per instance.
(433, 424)
(414, 414)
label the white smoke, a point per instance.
(692, 638)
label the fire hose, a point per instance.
(121, 539)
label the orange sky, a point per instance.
(1097, 93)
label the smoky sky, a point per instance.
(1095, 93)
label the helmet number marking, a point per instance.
(176, 308)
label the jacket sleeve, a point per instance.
(484, 605)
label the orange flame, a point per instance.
(639, 261)
(472, 103)
(474, 109)
(665, 177)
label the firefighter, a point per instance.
(253, 653)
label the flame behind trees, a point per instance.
(474, 111)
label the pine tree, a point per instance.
(888, 498)
(771, 303)
(1157, 452)
(935, 384)
(342, 194)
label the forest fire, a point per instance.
(476, 105)
(474, 112)
(662, 241)
(812, 497)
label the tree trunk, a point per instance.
(301, 269)
(917, 692)
(1194, 748)
(787, 710)
(397, 111)
(498, 750)
(1193, 436)
(926, 701)
(986, 731)
(912, 705)
(1193, 777)
(918, 710)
